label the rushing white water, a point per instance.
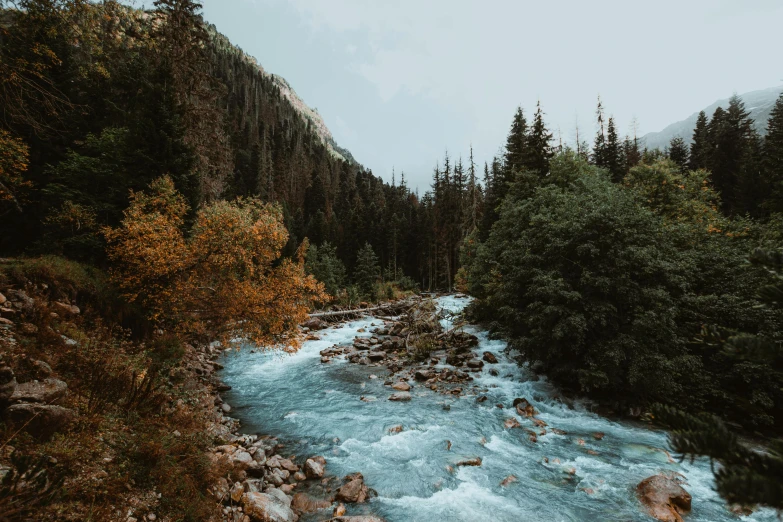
(315, 409)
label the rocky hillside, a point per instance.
(758, 103)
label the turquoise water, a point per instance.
(315, 409)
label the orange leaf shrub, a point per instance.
(223, 278)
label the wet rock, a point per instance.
(299, 476)
(422, 375)
(400, 396)
(524, 408)
(315, 323)
(475, 363)
(339, 510)
(493, 372)
(354, 490)
(475, 461)
(314, 467)
(482, 398)
(511, 423)
(40, 420)
(598, 435)
(663, 498)
(288, 465)
(396, 429)
(303, 503)
(376, 356)
(48, 391)
(508, 480)
(490, 358)
(401, 386)
(357, 518)
(273, 506)
(242, 459)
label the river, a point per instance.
(315, 409)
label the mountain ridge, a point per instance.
(758, 103)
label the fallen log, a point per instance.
(359, 311)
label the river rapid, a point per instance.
(315, 409)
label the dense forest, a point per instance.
(647, 279)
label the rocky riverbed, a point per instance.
(462, 434)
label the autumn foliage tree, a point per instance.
(222, 278)
(14, 156)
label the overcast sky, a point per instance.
(400, 81)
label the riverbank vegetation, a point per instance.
(156, 176)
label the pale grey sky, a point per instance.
(400, 81)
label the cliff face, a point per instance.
(758, 104)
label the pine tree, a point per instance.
(700, 146)
(678, 153)
(367, 271)
(599, 145)
(613, 153)
(516, 152)
(539, 145)
(773, 158)
(746, 476)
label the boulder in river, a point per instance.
(357, 518)
(401, 386)
(402, 396)
(475, 461)
(422, 375)
(354, 490)
(524, 408)
(664, 498)
(314, 467)
(490, 358)
(273, 506)
(376, 356)
(315, 323)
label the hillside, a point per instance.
(758, 103)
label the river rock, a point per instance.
(664, 498)
(315, 323)
(303, 503)
(422, 375)
(40, 420)
(508, 480)
(400, 396)
(314, 467)
(357, 518)
(288, 465)
(273, 506)
(47, 391)
(376, 356)
(339, 510)
(354, 490)
(401, 386)
(475, 461)
(490, 358)
(475, 363)
(524, 408)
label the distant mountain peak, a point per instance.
(758, 104)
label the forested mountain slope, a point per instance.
(759, 106)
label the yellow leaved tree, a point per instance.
(222, 278)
